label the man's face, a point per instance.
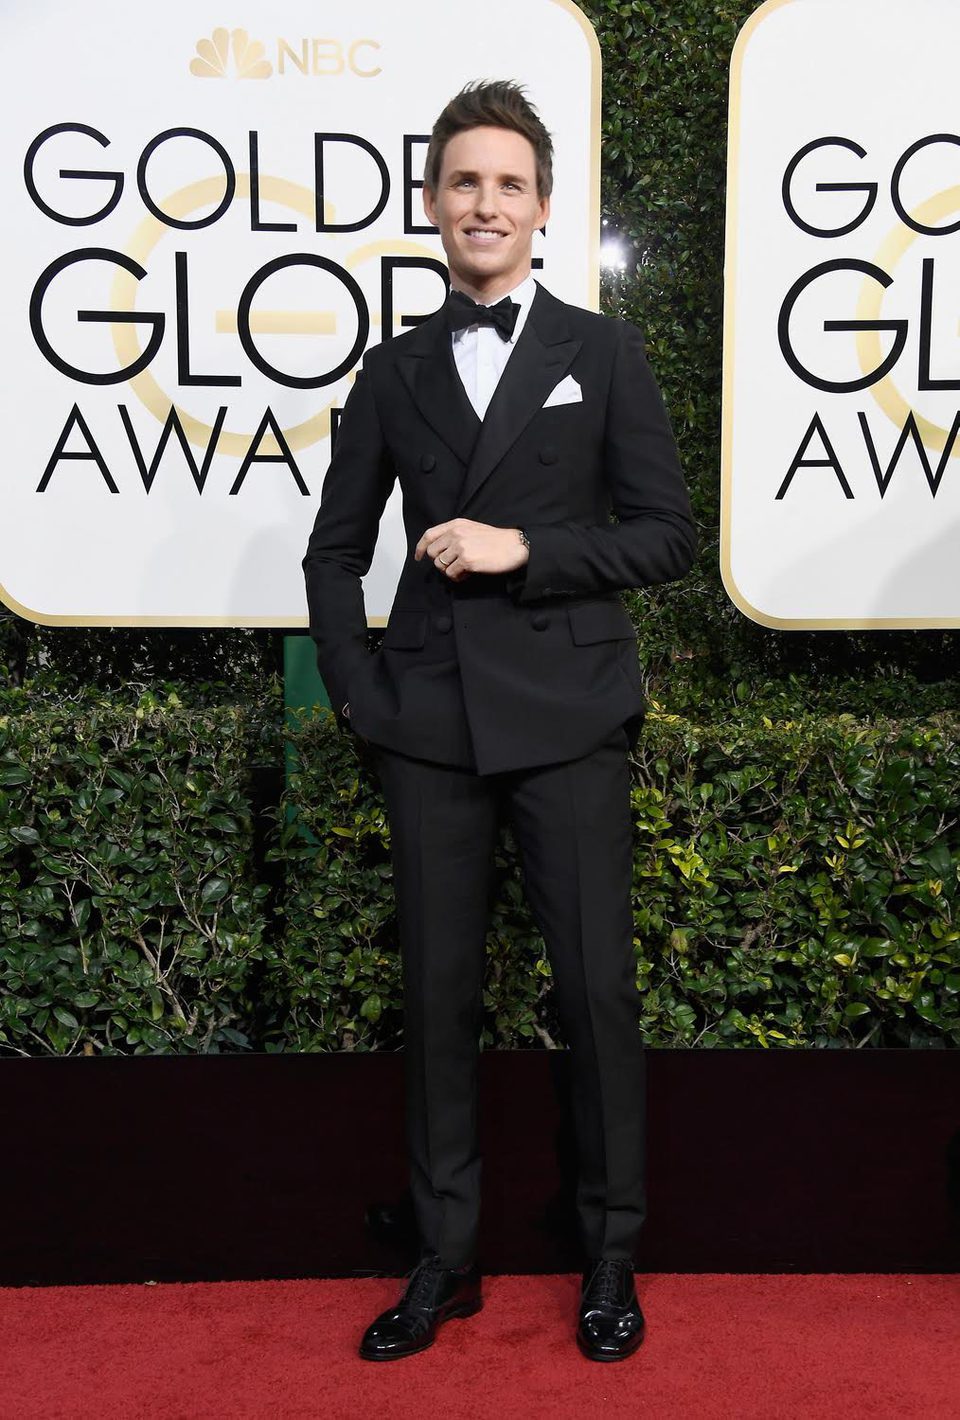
(487, 209)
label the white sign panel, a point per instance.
(841, 455)
(208, 217)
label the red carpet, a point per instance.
(717, 1346)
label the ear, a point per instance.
(544, 212)
(429, 206)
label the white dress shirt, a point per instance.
(481, 353)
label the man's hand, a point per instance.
(462, 546)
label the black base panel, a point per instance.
(175, 1168)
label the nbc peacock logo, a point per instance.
(212, 59)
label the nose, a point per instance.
(487, 200)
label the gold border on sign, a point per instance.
(193, 429)
(886, 400)
(596, 87)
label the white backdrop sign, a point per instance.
(841, 451)
(208, 218)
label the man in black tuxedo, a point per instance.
(507, 683)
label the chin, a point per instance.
(497, 263)
(487, 273)
(486, 270)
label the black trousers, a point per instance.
(572, 825)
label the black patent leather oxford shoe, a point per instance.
(432, 1296)
(611, 1324)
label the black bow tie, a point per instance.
(462, 311)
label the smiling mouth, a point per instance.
(480, 234)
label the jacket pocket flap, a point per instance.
(405, 629)
(600, 621)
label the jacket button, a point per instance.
(442, 622)
(549, 454)
(539, 621)
(428, 462)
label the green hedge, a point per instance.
(795, 884)
(130, 914)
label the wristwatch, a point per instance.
(524, 539)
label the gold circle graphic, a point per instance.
(123, 296)
(869, 350)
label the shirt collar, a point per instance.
(523, 296)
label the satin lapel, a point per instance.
(542, 355)
(431, 377)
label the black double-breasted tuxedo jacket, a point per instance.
(500, 671)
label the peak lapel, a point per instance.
(429, 372)
(542, 355)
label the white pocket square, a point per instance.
(566, 392)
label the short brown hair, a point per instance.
(499, 104)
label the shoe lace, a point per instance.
(421, 1288)
(605, 1284)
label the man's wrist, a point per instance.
(516, 580)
